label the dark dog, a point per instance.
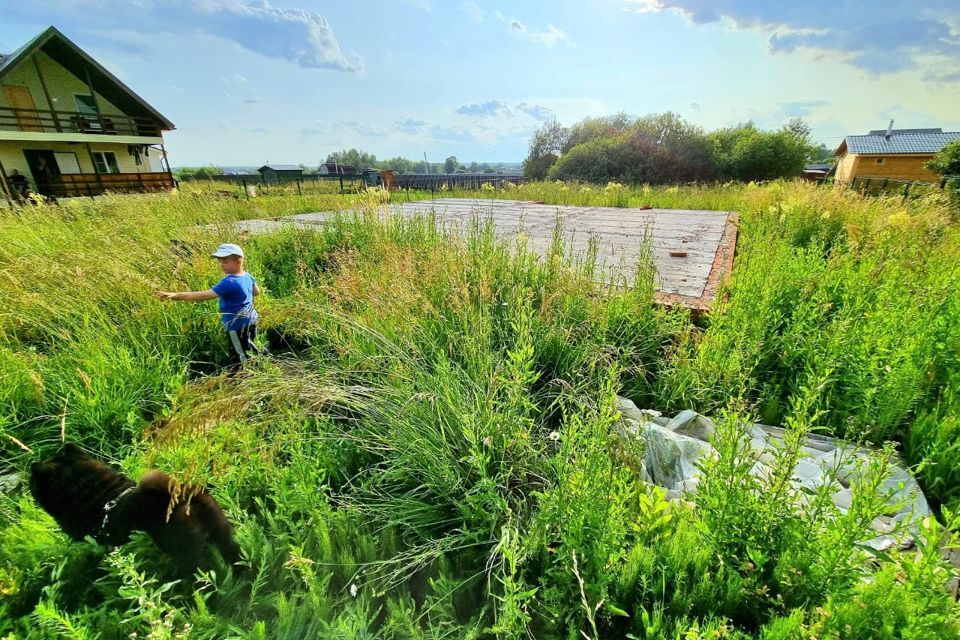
(88, 498)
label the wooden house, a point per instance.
(275, 173)
(891, 154)
(69, 127)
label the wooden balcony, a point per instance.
(71, 185)
(42, 121)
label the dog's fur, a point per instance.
(76, 489)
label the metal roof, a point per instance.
(281, 167)
(899, 142)
(79, 63)
(883, 132)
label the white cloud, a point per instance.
(453, 134)
(336, 129)
(296, 35)
(474, 12)
(410, 125)
(485, 109)
(549, 36)
(536, 111)
(300, 36)
(878, 38)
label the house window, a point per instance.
(105, 162)
(86, 105)
(879, 160)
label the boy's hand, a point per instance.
(165, 295)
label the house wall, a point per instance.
(895, 167)
(846, 167)
(11, 155)
(62, 84)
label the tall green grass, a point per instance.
(431, 452)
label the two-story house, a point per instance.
(69, 127)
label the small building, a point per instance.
(334, 169)
(891, 154)
(69, 127)
(275, 173)
(815, 171)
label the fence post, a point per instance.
(299, 190)
(906, 190)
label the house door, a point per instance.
(26, 111)
(46, 173)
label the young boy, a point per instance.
(236, 292)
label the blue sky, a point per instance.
(251, 81)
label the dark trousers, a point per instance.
(241, 344)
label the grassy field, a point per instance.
(430, 452)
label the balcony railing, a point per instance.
(70, 185)
(75, 122)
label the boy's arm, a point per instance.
(187, 296)
(256, 289)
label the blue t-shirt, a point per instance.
(236, 300)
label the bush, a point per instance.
(663, 148)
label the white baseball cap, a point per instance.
(227, 249)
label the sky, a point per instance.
(288, 81)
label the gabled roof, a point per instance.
(926, 141)
(79, 63)
(281, 167)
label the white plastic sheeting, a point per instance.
(673, 447)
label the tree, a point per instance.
(798, 127)
(197, 173)
(545, 147)
(747, 153)
(821, 153)
(360, 159)
(947, 164)
(593, 128)
(947, 160)
(658, 148)
(450, 164)
(401, 165)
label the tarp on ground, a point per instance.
(675, 447)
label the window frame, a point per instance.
(102, 162)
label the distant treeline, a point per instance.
(362, 160)
(664, 148)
